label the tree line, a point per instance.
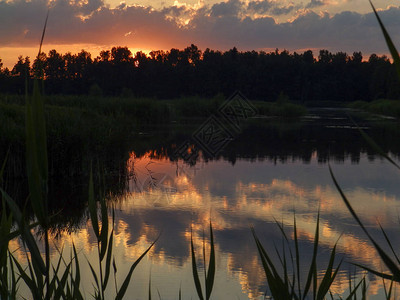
(169, 74)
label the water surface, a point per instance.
(271, 172)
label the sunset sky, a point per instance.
(295, 25)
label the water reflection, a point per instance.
(258, 193)
(171, 198)
(283, 173)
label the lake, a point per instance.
(270, 171)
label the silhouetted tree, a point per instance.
(188, 72)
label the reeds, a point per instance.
(391, 261)
(209, 274)
(285, 281)
(62, 280)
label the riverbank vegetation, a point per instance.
(84, 120)
(381, 106)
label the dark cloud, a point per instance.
(266, 6)
(225, 9)
(283, 10)
(260, 7)
(221, 26)
(315, 3)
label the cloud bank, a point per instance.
(248, 26)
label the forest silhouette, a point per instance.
(188, 72)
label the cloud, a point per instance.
(220, 26)
(260, 7)
(272, 7)
(315, 3)
(283, 10)
(226, 9)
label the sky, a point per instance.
(294, 25)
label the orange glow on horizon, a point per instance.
(9, 55)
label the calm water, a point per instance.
(270, 172)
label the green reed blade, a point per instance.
(211, 266)
(313, 266)
(30, 282)
(389, 243)
(275, 282)
(372, 143)
(159, 294)
(104, 229)
(328, 278)
(389, 293)
(108, 259)
(330, 294)
(150, 286)
(77, 280)
(25, 232)
(3, 167)
(5, 228)
(296, 245)
(96, 280)
(376, 147)
(364, 291)
(115, 275)
(43, 32)
(14, 281)
(204, 257)
(389, 43)
(38, 116)
(125, 284)
(93, 208)
(36, 156)
(379, 274)
(33, 172)
(354, 291)
(194, 270)
(280, 225)
(61, 283)
(60, 293)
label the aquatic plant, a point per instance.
(285, 281)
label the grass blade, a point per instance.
(104, 229)
(125, 284)
(389, 243)
(150, 286)
(211, 266)
(275, 282)
(93, 207)
(379, 274)
(76, 282)
(389, 43)
(108, 259)
(374, 145)
(386, 259)
(312, 270)
(328, 278)
(25, 233)
(194, 270)
(353, 291)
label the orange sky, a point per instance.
(93, 25)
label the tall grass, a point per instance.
(285, 281)
(390, 259)
(43, 279)
(209, 274)
(62, 280)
